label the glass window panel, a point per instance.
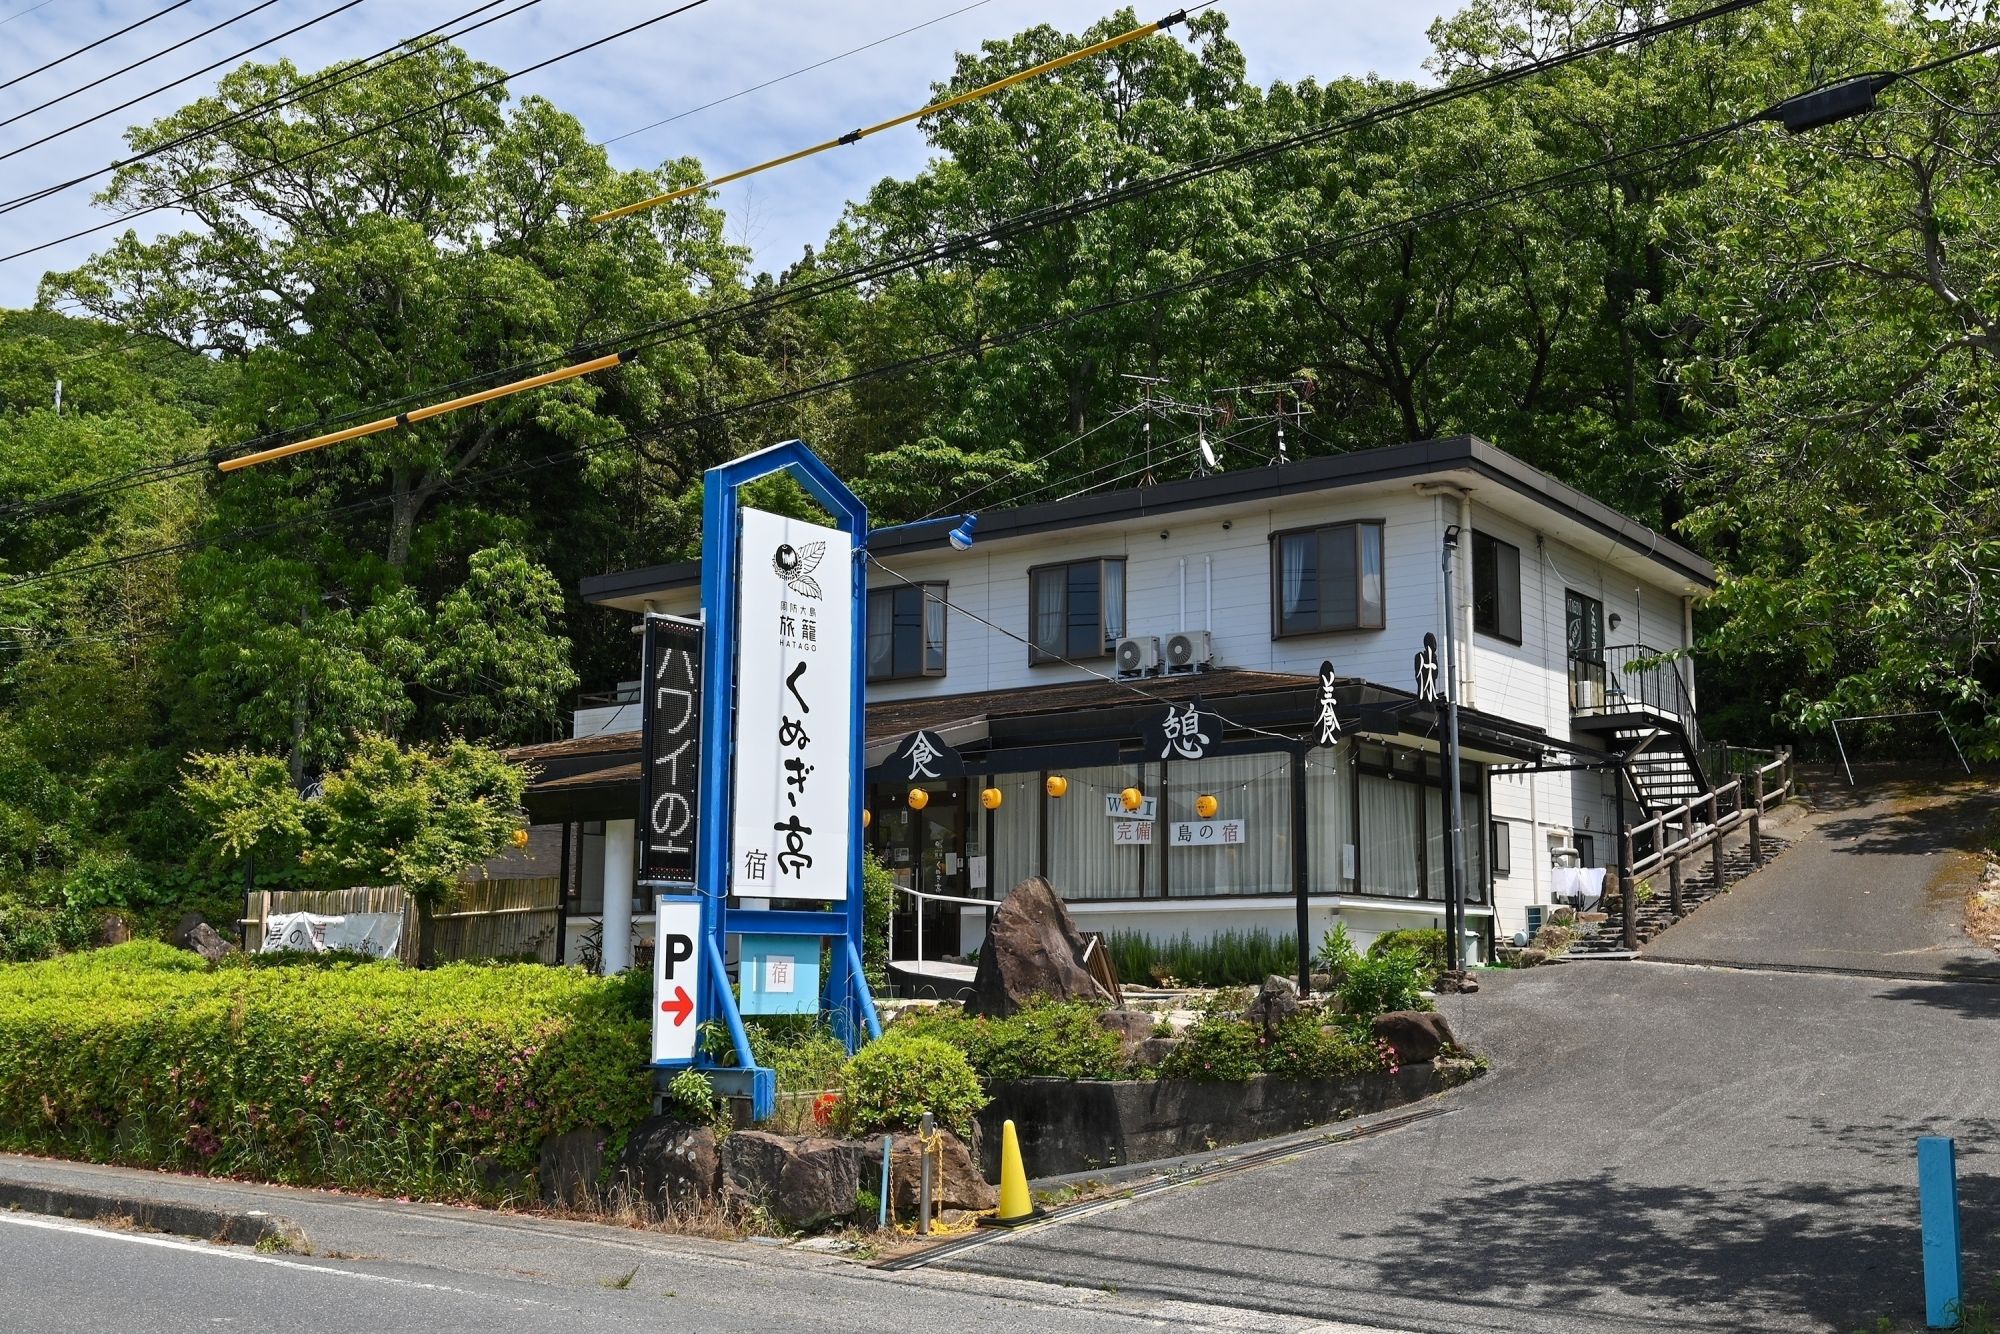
(1298, 583)
(934, 600)
(1048, 599)
(1329, 820)
(1017, 852)
(881, 634)
(1388, 836)
(1256, 789)
(1370, 591)
(1085, 637)
(1114, 603)
(1084, 863)
(1339, 593)
(909, 617)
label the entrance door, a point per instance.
(1583, 634)
(924, 851)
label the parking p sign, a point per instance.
(677, 965)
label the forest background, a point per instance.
(1779, 348)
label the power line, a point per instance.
(966, 243)
(332, 77)
(92, 46)
(803, 69)
(946, 104)
(966, 348)
(127, 69)
(393, 121)
(23, 13)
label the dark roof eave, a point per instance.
(1359, 468)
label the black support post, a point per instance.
(1299, 867)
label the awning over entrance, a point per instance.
(1074, 724)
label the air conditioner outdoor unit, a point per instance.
(1189, 651)
(1138, 655)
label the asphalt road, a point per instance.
(1661, 1146)
(442, 1271)
(1876, 882)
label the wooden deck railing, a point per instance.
(1699, 825)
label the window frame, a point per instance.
(1581, 842)
(1500, 847)
(1496, 629)
(928, 592)
(1319, 530)
(1037, 655)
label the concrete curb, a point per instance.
(249, 1228)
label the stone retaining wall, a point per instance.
(1077, 1125)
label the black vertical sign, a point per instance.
(670, 751)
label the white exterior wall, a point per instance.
(1213, 571)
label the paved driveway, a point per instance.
(1661, 1147)
(1876, 883)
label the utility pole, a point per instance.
(1454, 897)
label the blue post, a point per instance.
(882, 1210)
(1937, 1201)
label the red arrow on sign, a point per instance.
(680, 1007)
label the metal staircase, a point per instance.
(1634, 698)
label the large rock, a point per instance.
(113, 930)
(801, 1182)
(1417, 1035)
(1276, 1001)
(955, 1179)
(669, 1162)
(194, 933)
(1032, 949)
(568, 1170)
(1133, 1027)
(1153, 1052)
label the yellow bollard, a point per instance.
(1016, 1207)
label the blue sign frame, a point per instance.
(844, 991)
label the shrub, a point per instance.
(1302, 1049)
(889, 1085)
(691, 1095)
(1336, 952)
(1216, 1049)
(1426, 942)
(360, 1075)
(1227, 958)
(1380, 983)
(799, 1049)
(1050, 1039)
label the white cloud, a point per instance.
(707, 53)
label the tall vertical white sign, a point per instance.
(795, 727)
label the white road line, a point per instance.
(235, 1253)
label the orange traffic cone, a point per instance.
(1016, 1206)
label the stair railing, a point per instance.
(1698, 825)
(1641, 677)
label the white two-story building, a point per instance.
(1049, 658)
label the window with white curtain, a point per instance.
(1327, 579)
(1389, 831)
(1084, 863)
(1017, 850)
(1076, 610)
(1329, 819)
(1254, 788)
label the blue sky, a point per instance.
(708, 53)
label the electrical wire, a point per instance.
(966, 348)
(332, 77)
(803, 69)
(92, 46)
(1033, 219)
(127, 69)
(23, 13)
(483, 87)
(946, 104)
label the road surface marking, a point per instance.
(251, 1257)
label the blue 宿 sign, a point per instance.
(778, 974)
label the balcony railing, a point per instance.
(1633, 678)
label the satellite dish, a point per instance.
(1207, 452)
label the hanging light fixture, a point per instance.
(1206, 806)
(919, 798)
(867, 817)
(1133, 798)
(991, 798)
(1057, 785)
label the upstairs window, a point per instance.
(1327, 579)
(1076, 610)
(1496, 588)
(906, 632)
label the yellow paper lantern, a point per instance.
(1133, 798)
(867, 818)
(1205, 806)
(991, 798)
(519, 838)
(1057, 785)
(919, 798)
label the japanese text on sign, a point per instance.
(1205, 833)
(794, 729)
(1131, 833)
(670, 784)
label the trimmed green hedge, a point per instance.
(441, 1083)
(1224, 959)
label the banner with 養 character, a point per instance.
(795, 729)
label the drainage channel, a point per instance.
(1989, 977)
(1069, 1213)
